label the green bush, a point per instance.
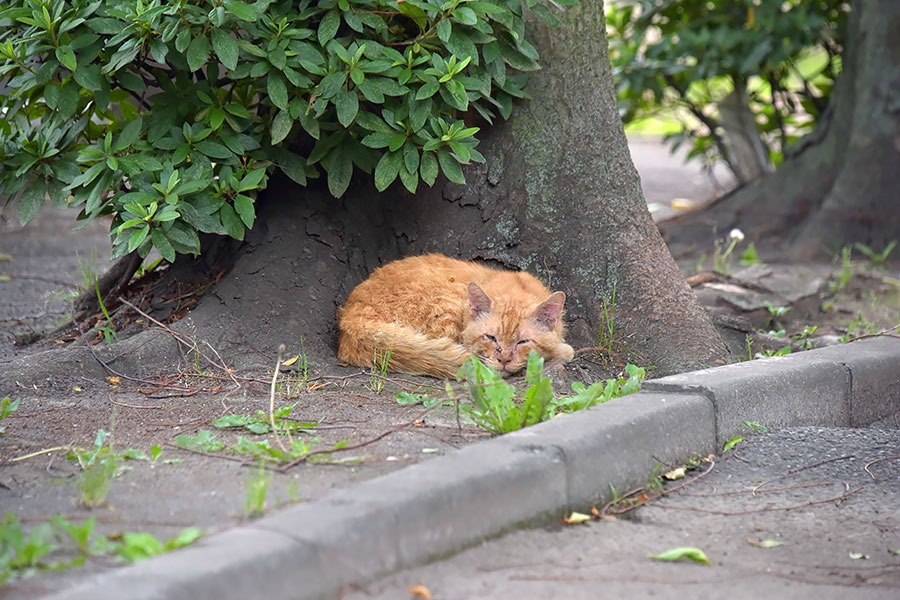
(689, 54)
(171, 116)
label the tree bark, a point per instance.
(843, 184)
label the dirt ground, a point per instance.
(38, 267)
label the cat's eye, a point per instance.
(522, 342)
(489, 338)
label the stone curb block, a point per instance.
(427, 510)
(874, 366)
(815, 387)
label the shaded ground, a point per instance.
(841, 538)
(39, 268)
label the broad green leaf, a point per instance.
(427, 90)
(162, 245)
(328, 26)
(347, 104)
(428, 168)
(31, 201)
(387, 169)
(409, 180)
(88, 77)
(281, 126)
(66, 56)
(198, 52)
(232, 222)
(695, 554)
(450, 167)
(225, 47)
(243, 205)
(277, 91)
(240, 10)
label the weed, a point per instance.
(845, 274)
(749, 256)
(493, 407)
(748, 339)
(295, 385)
(755, 426)
(139, 546)
(774, 313)
(857, 327)
(804, 339)
(380, 361)
(22, 554)
(204, 441)
(108, 330)
(257, 489)
(771, 353)
(7, 406)
(876, 258)
(261, 423)
(98, 465)
(720, 257)
(607, 337)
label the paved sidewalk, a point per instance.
(429, 510)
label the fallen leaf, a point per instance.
(695, 554)
(575, 518)
(5, 257)
(76, 388)
(315, 386)
(895, 552)
(732, 443)
(594, 511)
(419, 591)
(766, 543)
(675, 474)
(114, 380)
(429, 450)
(683, 204)
(858, 556)
(4, 278)
(290, 361)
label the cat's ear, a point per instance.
(548, 312)
(479, 302)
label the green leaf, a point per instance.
(695, 554)
(387, 169)
(88, 77)
(347, 104)
(31, 201)
(427, 90)
(450, 167)
(281, 126)
(213, 149)
(66, 56)
(243, 205)
(162, 244)
(198, 52)
(339, 166)
(225, 47)
(233, 224)
(428, 168)
(328, 26)
(128, 135)
(277, 91)
(240, 10)
(732, 443)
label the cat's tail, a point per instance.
(410, 351)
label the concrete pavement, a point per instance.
(439, 507)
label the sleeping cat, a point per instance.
(432, 312)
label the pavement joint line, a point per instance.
(365, 531)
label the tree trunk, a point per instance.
(558, 196)
(843, 184)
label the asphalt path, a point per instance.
(795, 513)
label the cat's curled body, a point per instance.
(432, 312)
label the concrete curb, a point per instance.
(438, 507)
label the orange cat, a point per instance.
(432, 312)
